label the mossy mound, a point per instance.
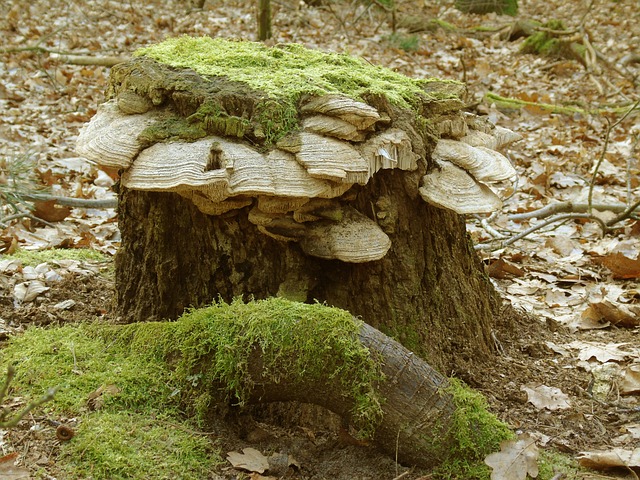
(251, 91)
(151, 374)
(155, 383)
(550, 42)
(127, 435)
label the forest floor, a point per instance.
(568, 372)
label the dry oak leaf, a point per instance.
(616, 457)
(601, 352)
(621, 266)
(515, 460)
(50, 212)
(27, 291)
(630, 382)
(551, 398)
(250, 459)
(96, 399)
(502, 269)
(606, 313)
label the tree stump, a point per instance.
(257, 172)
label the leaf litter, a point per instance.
(581, 285)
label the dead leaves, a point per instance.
(97, 398)
(615, 457)
(10, 471)
(515, 460)
(253, 461)
(550, 398)
(250, 460)
(605, 313)
(621, 266)
(49, 211)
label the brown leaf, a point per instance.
(621, 266)
(630, 383)
(95, 400)
(606, 311)
(50, 212)
(550, 398)
(250, 459)
(515, 460)
(501, 269)
(616, 457)
(635, 229)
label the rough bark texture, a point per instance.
(429, 291)
(416, 409)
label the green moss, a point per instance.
(172, 128)
(501, 7)
(285, 71)
(125, 438)
(216, 343)
(408, 43)
(121, 445)
(160, 370)
(478, 433)
(550, 462)
(36, 257)
(550, 44)
(255, 90)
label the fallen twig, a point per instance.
(607, 136)
(73, 202)
(21, 214)
(567, 110)
(566, 207)
(566, 216)
(104, 61)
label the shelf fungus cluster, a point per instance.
(467, 161)
(296, 189)
(292, 189)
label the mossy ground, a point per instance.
(162, 374)
(127, 437)
(477, 432)
(36, 257)
(155, 377)
(547, 43)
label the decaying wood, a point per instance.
(417, 412)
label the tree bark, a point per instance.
(429, 291)
(417, 411)
(264, 20)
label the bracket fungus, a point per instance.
(227, 144)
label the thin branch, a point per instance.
(11, 372)
(47, 397)
(104, 61)
(549, 221)
(23, 215)
(624, 215)
(4, 423)
(564, 207)
(73, 202)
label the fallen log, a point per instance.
(276, 350)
